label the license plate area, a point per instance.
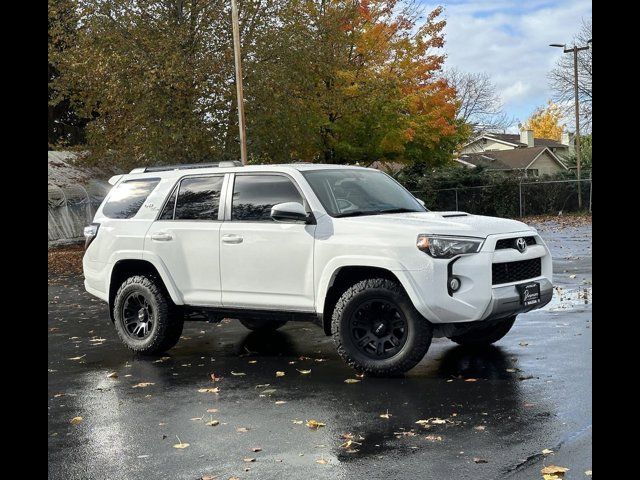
(529, 293)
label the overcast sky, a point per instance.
(509, 40)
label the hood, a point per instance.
(443, 223)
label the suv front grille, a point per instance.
(511, 242)
(516, 271)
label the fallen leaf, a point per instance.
(143, 384)
(386, 415)
(304, 372)
(238, 374)
(471, 380)
(280, 402)
(212, 410)
(480, 428)
(587, 473)
(511, 370)
(214, 378)
(269, 391)
(554, 470)
(433, 438)
(77, 358)
(75, 420)
(314, 424)
(351, 380)
(248, 460)
(479, 460)
(262, 385)
(113, 375)
(209, 390)
(547, 451)
(256, 449)
(523, 344)
(212, 423)
(195, 418)
(253, 361)
(322, 461)
(181, 445)
(242, 429)
(572, 276)
(208, 477)
(297, 422)
(279, 374)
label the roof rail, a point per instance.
(187, 166)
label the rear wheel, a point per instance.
(478, 336)
(144, 317)
(377, 330)
(262, 325)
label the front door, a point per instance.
(265, 264)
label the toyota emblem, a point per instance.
(521, 244)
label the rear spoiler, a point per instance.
(113, 180)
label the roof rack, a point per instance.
(187, 166)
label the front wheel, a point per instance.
(377, 330)
(485, 335)
(144, 317)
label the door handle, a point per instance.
(233, 239)
(161, 237)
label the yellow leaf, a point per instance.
(304, 372)
(279, 374)
(554, 469)
(314, 424)
(238, 374)
(209, 390)
(547, 451)
(112, 375)
(181, 445)
(386, 415)
(249, 460)
(143, 384)
(212, 423)
(76, 420)
(351, 380)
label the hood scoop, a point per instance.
(454, 214)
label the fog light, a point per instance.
(454, 284)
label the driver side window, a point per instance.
(254, 195)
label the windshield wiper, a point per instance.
(374, 212)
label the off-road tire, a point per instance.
(168, 322)
(418, 336)
(481, 336)
(263, 325)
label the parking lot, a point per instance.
(482, 413)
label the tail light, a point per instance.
(90, 233)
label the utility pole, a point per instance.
(239, 92)
(575, 51)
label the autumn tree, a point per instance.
(546, 122)
(339, 81)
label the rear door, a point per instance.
(186, 237)
(265, 264)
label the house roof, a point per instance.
(514, 138)
(516, 159)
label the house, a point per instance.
(513, 152)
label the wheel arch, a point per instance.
(341, 279)
(126, 268)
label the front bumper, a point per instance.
(505, 301)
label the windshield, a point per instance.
(349, 193)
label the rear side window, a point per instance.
(126, 198)
(254, 195)
(198, 199)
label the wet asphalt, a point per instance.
(490, 412)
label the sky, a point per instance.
(508, 39)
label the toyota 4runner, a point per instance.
(346, 247)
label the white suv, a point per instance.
(345, 247)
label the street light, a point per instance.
(575, 51)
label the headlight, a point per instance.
(448, 247)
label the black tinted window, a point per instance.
(199, 198)
(167, 211)
(127, 197)
(254, 195)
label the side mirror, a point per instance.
(421, 202)
(289, 212)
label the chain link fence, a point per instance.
(513, 198)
